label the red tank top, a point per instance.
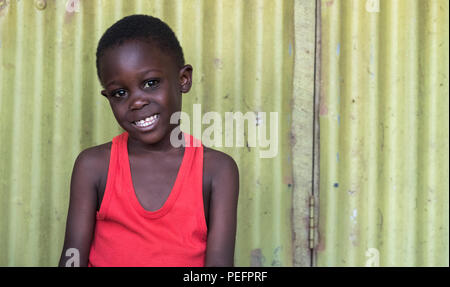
(128, 235)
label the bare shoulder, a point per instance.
(96, 155)
(92, 162)
(219, 165)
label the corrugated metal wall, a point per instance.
(383, 115)
(51, 109)
(384, 133)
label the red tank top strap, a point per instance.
(114, 179)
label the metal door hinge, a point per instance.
(311, 223)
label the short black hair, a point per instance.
(140, 27)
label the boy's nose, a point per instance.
(138, 101)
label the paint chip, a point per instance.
(73, 6)
(3, 7)
(259, 119)
(218, 63)
(256, 258)
(373, 6)
(353, 217)
(276, 257)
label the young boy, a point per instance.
(138, 200)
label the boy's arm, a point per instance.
(222, 212)
(82, 209)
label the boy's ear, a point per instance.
(186, 78)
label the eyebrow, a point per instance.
(110, 83)
(140, 73)
(149, 70)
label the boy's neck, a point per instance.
(163, 146)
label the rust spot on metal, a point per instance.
(380, 221)
(354, 236)
(323, 107)
(321, 245)
(73, 6)
(218, 63)
(276, 257)
(287, 179)
(256, 258)
(8, 66)
(3, 5)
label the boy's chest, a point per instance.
(153, 179)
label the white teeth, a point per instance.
(147, 121)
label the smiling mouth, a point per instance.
(147, 123)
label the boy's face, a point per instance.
(143, 85)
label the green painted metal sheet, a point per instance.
(384, 137)
(51, 109)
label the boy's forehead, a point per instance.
(136, 55)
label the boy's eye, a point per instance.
(119, 93)
(151, 84)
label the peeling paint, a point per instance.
(218, 63)
(321, 245)
(323, 108)
(354, 238)
(276, 257)
(73, 6)
(351, 192)
(380, 221)
(256, 258)
(373, 6)
(4, 7)
(353, 217)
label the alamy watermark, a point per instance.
(373, 257)
(262, 130)
(74, 260)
